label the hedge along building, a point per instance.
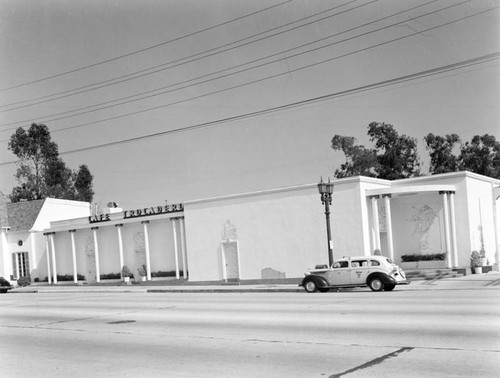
(279, 233)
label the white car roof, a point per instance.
(373, 257)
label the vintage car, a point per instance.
(377, 272)
(4, 285)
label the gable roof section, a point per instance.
(22, 215)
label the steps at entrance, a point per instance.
(431, 274)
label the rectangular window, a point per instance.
(20, 265)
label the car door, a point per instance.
(339, 274)
(359, 271)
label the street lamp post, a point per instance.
(326, 190)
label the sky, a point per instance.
(177, 100)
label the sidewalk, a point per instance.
(489, 280)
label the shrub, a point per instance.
(126, 272)
(475, 259)
(428, 257)
(170, 273)
(110, 276)
(24, 281)
(68, 277)
(142, 271)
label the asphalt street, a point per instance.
(419, 332)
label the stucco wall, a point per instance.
(283, 231)
(481, 218)
(57, 209)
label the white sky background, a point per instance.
(39, 39)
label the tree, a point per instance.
(481, 155)
(397, 155)
(34, 149)
(83, 184)
(41, 173)
(441, 149)
(360, 161)
(394, 156)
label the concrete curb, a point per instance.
(473, 282)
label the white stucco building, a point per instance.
(274, 233)
(23, 247)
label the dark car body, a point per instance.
(5, 285)
(377, 272)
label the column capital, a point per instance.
(387, 195)
(48, 233)
(72, 231)
(441, 192)
(94, 228)
(374, 197)
(145, 222)
(119, 225)
(176, 218)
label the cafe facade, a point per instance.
(269, 234)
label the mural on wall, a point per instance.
(139, 249)
(229, 232)
(423, 219)
(382, 217)
(90, 252)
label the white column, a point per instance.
(496, 195)
(16, 272)
(375, 221)
(33, 257)
(388, 225)
(453, 229)
(7, 260)
(52, 246)
(223, 259)
(447, 229)
(183, 248)
(96, 253)
(47, 249)
(174, 228)
(73, 254)
(120, 245)
(146, 245)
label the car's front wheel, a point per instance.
(310, 286)
(376, 284)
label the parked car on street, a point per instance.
(4, 285)
(377, 272)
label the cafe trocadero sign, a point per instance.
(147, 211)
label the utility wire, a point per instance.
(361, 89)
(147, 48)
(184, 60)
(236, 72)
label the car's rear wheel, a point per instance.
(323, 289)
(389, 287)
(376, 284)
(3, 291)
(310, 286)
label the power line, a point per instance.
(147, 48)
(240, 71)
(361, 89)
(184, 60)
